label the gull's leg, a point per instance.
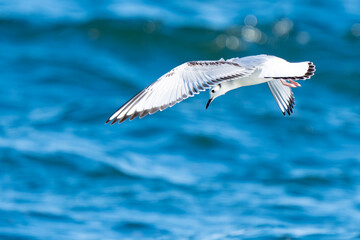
(291, 84)
(296, 83)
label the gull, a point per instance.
(220, 77)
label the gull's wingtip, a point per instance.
(113, 121)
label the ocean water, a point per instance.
(238, 170)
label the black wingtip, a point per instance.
(114, 121)
(123, 119)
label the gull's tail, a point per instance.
(277, 68)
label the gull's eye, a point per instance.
(213, 91)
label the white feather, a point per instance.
(191, 78)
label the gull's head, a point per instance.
(214, 93)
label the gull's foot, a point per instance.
(291, 83)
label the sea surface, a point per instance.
(238, 170)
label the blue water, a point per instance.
(239, 170)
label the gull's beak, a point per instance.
(208, 103)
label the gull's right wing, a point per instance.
(180, 83)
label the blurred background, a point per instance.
(239, 170)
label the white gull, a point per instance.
(220, 76)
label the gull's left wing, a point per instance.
(283, 95)
(281, 70)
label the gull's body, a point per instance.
(220, 76)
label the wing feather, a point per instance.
(180, 83)
(283, 96)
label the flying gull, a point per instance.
(220, 76)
